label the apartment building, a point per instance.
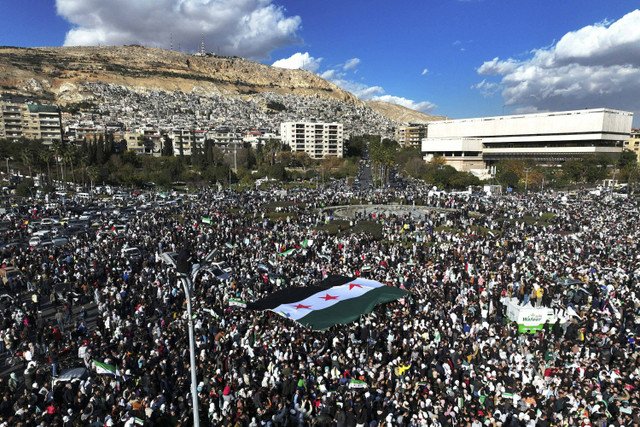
(410, 136)
(633, 144)
(31, 121)
(319, 140)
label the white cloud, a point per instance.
(360, 90)
(495, 66)
(373, 93)
(352, 63)
(486, 88)
(299, 60)
(330, 75)
(247, 28)
(425, 71)
(595, 66)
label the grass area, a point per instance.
(275, 216)
(370, 227)
(334, 227)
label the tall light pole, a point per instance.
(187, 285)
(526, 179)
(185, 273)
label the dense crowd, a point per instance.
(446, 355)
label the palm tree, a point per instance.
(94, 174)
(27, 158)
(58, 149)
(68, 155)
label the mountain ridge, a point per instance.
(63, 75)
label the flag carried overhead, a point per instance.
(106, 369)
(286, 253)
(337, 299)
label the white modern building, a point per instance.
(317, 139)
(550, 138)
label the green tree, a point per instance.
(355, 146)
(69, 155)
(45, 158)
(272, 148)
(167, 146)
(277, 171)
(93, 172)
(130, 157)
(509, 179)
(28, 158)
(25, 188)
(383, 156)
(627, 158)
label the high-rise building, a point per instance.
(30, 121)
(316, 139)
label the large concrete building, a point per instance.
(30, 121)
(548, 138)
(317, 139)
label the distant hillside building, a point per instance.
(548, 138)
(634, 142)
(410, 136)
(30, 121)
(317, 139)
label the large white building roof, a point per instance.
(556, 135)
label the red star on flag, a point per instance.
(354, 285)
(327, 297)
(299, 306)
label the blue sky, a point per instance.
(449, 57)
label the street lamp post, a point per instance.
(187, 285)
(526, 179)
(185, 272)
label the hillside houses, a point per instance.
(192, 118)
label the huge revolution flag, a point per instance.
(337, 299)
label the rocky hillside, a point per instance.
(401, 114)
(58, 72)
(114, 80)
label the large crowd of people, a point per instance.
(446, 355)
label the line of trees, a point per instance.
(106, 159)
(580, 171)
